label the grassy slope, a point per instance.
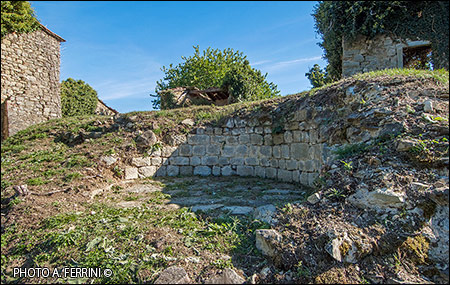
(67, 236)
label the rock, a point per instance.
(405, 145)
(147, 139)
(379, 200)
(140, 161)
(228, 276)
(192, 259)
(21, 190)
(265, 213)
(143, 188)
(174, 139)
(206, 208)
(266, 241)
(440, 196)
(108, 160)
(131, 173)
(188, 122)
(238, 210)
(417, 186)
(314, 198)
(129, 204)
(173, 275)
(428, 106)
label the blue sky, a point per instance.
(119, 47)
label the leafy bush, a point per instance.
(18, 16)
(227, 69)
(77, 98)
(318, 77)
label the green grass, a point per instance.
(440, 75)
(106, 237)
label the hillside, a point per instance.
(359, 194)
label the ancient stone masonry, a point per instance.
(241, 147)
(29, 79)
(381, 52)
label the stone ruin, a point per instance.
(188, 96)
(30, 85)
(382, 52)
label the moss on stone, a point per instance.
(416, 248)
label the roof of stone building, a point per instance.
(103, 103)
(45, 29)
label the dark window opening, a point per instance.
(417, 57)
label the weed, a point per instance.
(14, 201)
(347, 166)
(351, 150)
(71, 176)
(36, 181)
(302, 271)
(157, 146)
(222, 264)
(410, 110)
(287, 208)
(334, 193)
(118, 171)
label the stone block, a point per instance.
(264, 162)
(271, 172)
(161, 171)
(259, 130)
(186, 170)
(228, 151)
(244, 170)
(173, 170)
(179, 160)
(185, 150)
(210, 160)
(287, 136)
(140, 161)
(296, 175)
(131, 172)
(268, 139)
(256, 139)
(260, 171)
(265, 151)
(285, 151)
(195, 160)
(278, 138)
(237, 161)
(199, 150)
(213, 149)
(251, 161)
(231, 140)
(276, 151)
(198, 139)
(242, 150)
(217, 139)
(300, 151)
(282, 164)
(291, 164)
(304, 178)
(217, 131)
(284, 175)
(227, 171)
(216, 170)
(168, 151)
(157, 160)
(224, 161)
(312, 177)
(202, 170)
(147, 171)
(244, 139)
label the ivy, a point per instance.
(17, 16)
(227, 69)
(415, 20)
(77, 98)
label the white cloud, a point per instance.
(110, 90)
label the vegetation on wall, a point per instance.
(77, 98)
(418, 20)
(17, 16)
(227, 69)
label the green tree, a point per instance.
(424, 20)
(17, 16)
(227, 69)
(317, 76)
(77, 98)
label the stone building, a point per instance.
(103, 109)
(30, 87)
(381, 52)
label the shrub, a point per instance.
(77, 98)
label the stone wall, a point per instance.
(29, 80)
(381, 52)
(241, 147)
